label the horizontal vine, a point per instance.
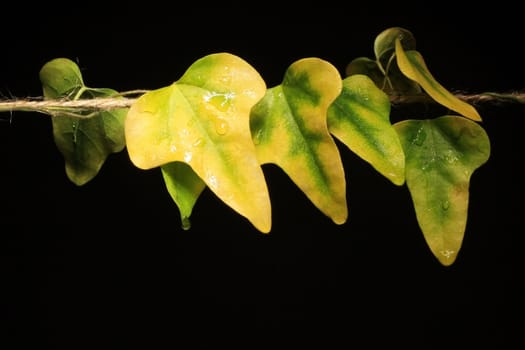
(75, 108)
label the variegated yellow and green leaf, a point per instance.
(289, 128)
(412, 64)
(360, 119)
(184, 187)
(84, 141)
(203, 120)
(441, 155)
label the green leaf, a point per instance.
(203, 120)
(60, 78)
(360, 118)
(84, 141)
(441, 155)
(184, 187)
(412, 64)
(384, 70)
(368, 67)
(384, 45)
(290, 130)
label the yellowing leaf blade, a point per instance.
(412, 64)
(203, 121)
(290, 130)
(441, 155)
(360, 118)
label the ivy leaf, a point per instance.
(290, 130)
(384, 70)
(412, 64)
(203, 120)
(184, 187)
(84, 141)
(441, 155)
(60, 78)
(384, 45)
(360, 118)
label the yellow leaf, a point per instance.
(203, 121)
(289, 128)
(412, 65)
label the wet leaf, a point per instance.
(85, 142)
(412, 64)
(184, 187)
(441, 155)
(290, 130)
(360, 118)
(203, 120)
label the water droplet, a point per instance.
(420, 137)
(186, 223)
(451, 156)
(198, 143)
(213, 181)
(258, 136)
(188, 156)
(74, 126)
(173, 148)
(221, 127)
(447, 253)
(363, 94)
(445, 205)
(220, 101)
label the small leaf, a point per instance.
(60, 78)
(384, 45)
(184, 187)
(412, 65)
(203, 121)
(290, 130)
(360, 118)
(368, 67)
(441, 155)
(84, 141)
(394, 83)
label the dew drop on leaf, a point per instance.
(186, 223)
(198, 143)
(420, 137)
(221, 127)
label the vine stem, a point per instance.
(78, 108)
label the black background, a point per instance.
(107, 264)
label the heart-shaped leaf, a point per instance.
(360, 118)
(84, 141)
(290, 130)
(441, 155)
(412, 64)
(203, 120)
